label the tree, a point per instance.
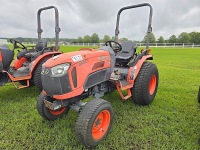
(161, 40)
(184, 38)
(94, 38)
(87, 39)
(113, 38)
(195, 37)
(123, 39)
(79, 40)
(172, 39)
(106, 38)
(151, 40)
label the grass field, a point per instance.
(170, 122)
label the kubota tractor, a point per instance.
(71, 77)
(27, 67)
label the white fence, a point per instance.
(165, 45)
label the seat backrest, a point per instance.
(7, 56)
(42, 43)
(128, 47)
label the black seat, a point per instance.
(42, 43)
(23, 53)
(7, 57)
(128, 50)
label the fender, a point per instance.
(19, 62)
(133, 71)
(33, 65)
(40, 58)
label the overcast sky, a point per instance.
(82, 17)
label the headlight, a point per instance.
(59, 70)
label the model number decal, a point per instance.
(77, 58)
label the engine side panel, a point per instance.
(87, 67)
(95, 78)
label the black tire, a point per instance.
(96, 112)
(37, 74)
(146, 84)
(45, 112)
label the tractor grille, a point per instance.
(55, 85)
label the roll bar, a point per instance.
(149, 29)
(57, 28)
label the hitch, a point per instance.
(55, 105)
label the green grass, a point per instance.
(74, 48)
(170, 122)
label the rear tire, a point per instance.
(94, 122)
(46, 113)
(146, 84)
(37, 74)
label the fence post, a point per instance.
(193, 45)
(183, 45)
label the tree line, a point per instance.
(184, 37)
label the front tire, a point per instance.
(47, 113)
(94, 122)
(146, 84)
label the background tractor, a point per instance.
(27, 67)
(69, 78)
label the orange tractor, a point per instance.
(69, 78)
(27, 67)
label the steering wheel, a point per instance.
(17, 44)
(114, 45)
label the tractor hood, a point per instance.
(75, 57)
(73, 72)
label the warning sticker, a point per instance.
(77, 58)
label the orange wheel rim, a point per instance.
(57, 112)
(101, 124)
(152, 85)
